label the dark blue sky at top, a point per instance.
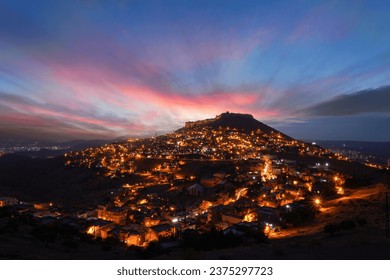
(99, 69)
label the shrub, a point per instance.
(333, 228)
(347, 225)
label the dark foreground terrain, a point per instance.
(35, 179)
(361, 243)
(362, 236)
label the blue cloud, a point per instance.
(361, 102)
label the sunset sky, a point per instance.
(103, 69)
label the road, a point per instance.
(361, 203)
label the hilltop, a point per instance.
(229, 136)
(243, 122)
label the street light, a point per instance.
(317, 202)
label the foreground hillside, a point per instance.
(366, 240)
(49, 180)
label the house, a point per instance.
(132, 237)
(219, 176)
(243, 202)
(70, 223)
(108, 231)
(8, 201)
(308, 178)
(196, 190)
(244, 228)
(160, 231)
(149, 221)
(209, 181)
(214, 213)
(221, 225)
(44, 214)
(268, 215)
(116, 215)
(47, 221)
(269, 157)
(231, 218)
(233, 230)
(292, 190)
(98, 228)
(290, 161)
(43, 205)
(277, 170)
(87, 214)
(269, 202)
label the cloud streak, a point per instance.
(361, 102)
(20, 113)
(91, 70)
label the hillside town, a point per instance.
(198, 179)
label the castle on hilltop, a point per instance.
(227, 114)
(192, 124)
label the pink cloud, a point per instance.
(25, 113)
(88, 93)
(204, 104)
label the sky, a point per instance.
(104, 69)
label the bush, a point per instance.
(210, 240)
(357, 181)
(347, 225)
(152, 250)
(333, 228)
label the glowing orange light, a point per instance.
(91, 230)
(267, 229)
